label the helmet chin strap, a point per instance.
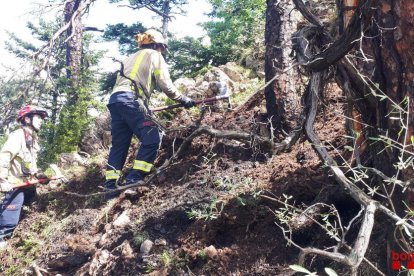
(30, 125)
(34, 128)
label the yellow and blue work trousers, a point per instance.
(127, 119)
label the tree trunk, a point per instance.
(282, 99)
(398, 53)
(74, 44)
(166, 9)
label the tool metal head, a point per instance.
(224, 93)
(58, 173)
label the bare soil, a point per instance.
(205, 214)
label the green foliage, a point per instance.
(166, 9)
(139, 238)
(73, 121)
(166, 258)
(107, 82)
(251, 87)
(232, 183)
(67, 104)
(12, 99)
(124, 34)
(65, 132)
(26, 251)
(210, 212)
(236, 26)
(29, 245)
(188, 56)
(202, 255)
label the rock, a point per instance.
(122, 220)
(100, 258)
(69, 159)
(146, 247)
(126, 250)
(160, 242)
(104, 239)
(211, 252)
(98, 136)
(162, 272)
(184, 84)
(108, 227)
(254, 62)
(216, 74)
(131, 194)
(232, 71)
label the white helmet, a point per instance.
(150, 36)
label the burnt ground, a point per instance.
(206, 213)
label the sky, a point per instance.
(15, 15)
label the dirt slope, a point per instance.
(204, 215)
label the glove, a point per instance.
(187, 102)
(5, 186)
(42, 177)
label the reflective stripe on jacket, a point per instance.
(16, 159)
(146, 67)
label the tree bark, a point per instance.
(166, 10)
(282, 99)
(74, 43)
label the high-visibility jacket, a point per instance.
(146, 68)
(18, 156)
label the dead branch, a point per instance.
(152, 8)
(357, 253)
(300, 5)
(355, 192)
(235, 135)
(38, 270)
(47, 47)
(265, 143)
(338, 257)
(339, 48)
(315, 85)
(355, 257)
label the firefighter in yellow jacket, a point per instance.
(18, 158)
(128, 106)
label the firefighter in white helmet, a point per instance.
(18, 158)
(128, 106)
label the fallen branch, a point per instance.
(38, 270)
(338, 257)
(353, 260)
(355, 257)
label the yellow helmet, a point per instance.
(149, 37)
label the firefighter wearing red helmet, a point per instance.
(18, 163)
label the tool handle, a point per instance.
(208, 100)
(34, 182)
(165, 107)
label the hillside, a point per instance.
(210, 211)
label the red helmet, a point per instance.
(31, 110)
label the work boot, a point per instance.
(134, 177)
(110, 185)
